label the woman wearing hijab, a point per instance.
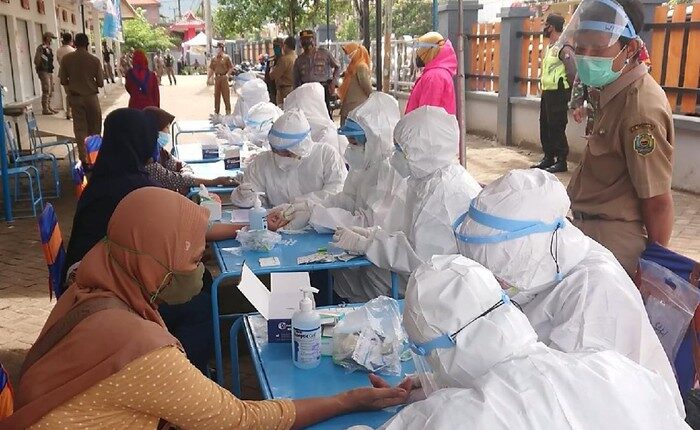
(142, 84)
(128, 144)
(357, 84)
(435, 87)
(170, 172)
(105, 359)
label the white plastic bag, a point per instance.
(258, 240)
(670, 302)
(371, 338)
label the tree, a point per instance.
(412, 17)
(140, 34)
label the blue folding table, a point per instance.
(231, 264)
(280, 379)
(191, 127)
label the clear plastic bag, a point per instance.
(258, 240)
(371, 338)
(670, 302)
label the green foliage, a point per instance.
(140, 34)
(412, 17)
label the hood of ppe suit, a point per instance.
(291, 131)
(311, 100)
(526, 263)
(377, 116)
(443, 296)
(429, 138)
(259, 121)
(253, 92)
(241, 80)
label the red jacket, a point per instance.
(143, 93)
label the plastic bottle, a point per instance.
(306, 332)
(257, 215)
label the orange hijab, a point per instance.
(161, 225)
(359, 56)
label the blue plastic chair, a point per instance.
(31, 174)
(38, 144)
(19, 160)
(52, 244)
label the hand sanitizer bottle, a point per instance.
(257, 215)
(306, 333)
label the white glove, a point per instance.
(298, 215)
(243, 196)
(229, 121)
(352, 241)
(232, 137)
(215, 119)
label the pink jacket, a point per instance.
(436, 86)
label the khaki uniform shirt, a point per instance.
(221, 65)
(283, 72)
(81, 72)
(629, 155)
(317, 65)
(62, 51)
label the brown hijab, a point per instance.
(150, 228)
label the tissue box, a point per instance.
(210, 151)
(278, 304)
(232, 159)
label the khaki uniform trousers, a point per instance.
(625, 239)
(221, 89)
(87, 120)
(46, 79)
(67, 102)
(282, 93)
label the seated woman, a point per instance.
(119, 367)
(129, 143)
(170, 172)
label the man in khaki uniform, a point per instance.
(316, 65)
(81, 72)
(221, 66)
(43, 63)
(621, 191)
(283, 72)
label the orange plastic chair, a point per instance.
(79, 178)
(6, 395)
(52, 244)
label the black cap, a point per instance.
(555, 20)
(307, 33)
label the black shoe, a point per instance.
(559, 166)
(545, 163)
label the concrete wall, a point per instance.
(481, 119)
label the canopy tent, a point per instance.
(200, 40)
(189, 25)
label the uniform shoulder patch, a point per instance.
(644, 143)
(642, 126)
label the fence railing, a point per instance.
(485, 43)
(675, 59)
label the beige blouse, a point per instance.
(163, 384)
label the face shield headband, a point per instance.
(626, 30)
(449, 340)
(293, 138)
(512, 229)
(353, 129)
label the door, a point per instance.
(7, 75)
(26, 60)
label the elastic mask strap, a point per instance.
(513, 229)
(294, 138)
(448, 340)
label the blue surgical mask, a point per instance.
(277, 50)
(597, 71)
(163, 139)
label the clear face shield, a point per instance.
(428, 373)
(595, 28)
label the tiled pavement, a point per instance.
(24, 303)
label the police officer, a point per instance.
(556, 80)
(283, 71)
(316, 65)
(621, 190)
(43, 63)
(221, 66)
(169, 64)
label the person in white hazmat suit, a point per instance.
(574, 292)
(259, 122)
(473, 345)
(438, 188)
(252, 92)
(371, 189)
(296, 167)
(310, 98)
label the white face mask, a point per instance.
(400, 164)
(287, 163)
(355, 156)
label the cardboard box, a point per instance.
(278, 305)
(232, 159)
(210, 151)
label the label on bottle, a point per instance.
(264, 222)
(306, 345)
